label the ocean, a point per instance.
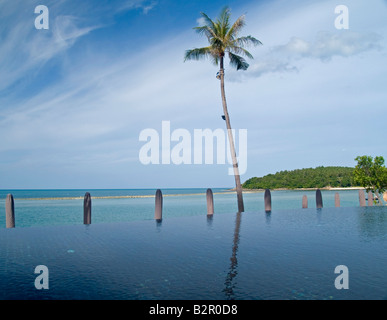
(65, 207)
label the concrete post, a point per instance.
(267, 200)
(370, 199)
(9, 212)
(319, 200)
(210, 202)
(87, 209)
(158, 205)
(362, 198)
(304, 202)
(337, 200)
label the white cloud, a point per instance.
(66, 29)
(96, 102)
(24, 48)
(65, 32)
(328, 45)
(201, 21)
(145, 5)
(269, 65)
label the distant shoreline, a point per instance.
(120, 197)
(228, 191)
(302, 189)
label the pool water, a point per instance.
(58, 211)
(287, 254)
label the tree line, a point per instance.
(319, 177)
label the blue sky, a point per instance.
(74, 98)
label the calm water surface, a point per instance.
(287, 254)
(65, 207)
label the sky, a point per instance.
(74, 98)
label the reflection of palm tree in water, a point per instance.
(233, 271)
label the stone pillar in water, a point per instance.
(337, 200)
(210, 202)
(362, 198)
(267, 200)
(9, 212)
(304, 202)
(319, 200)
(158, 205)
(87, 209)
(370, 199)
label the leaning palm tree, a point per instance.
(223, 39)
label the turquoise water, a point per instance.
(287, 254)
(65, 207)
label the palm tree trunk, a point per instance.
(231, 139)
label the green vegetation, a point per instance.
(319, 177)
(371, 174)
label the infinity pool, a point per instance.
(288, 254)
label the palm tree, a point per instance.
(223, 39)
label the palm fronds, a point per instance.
(238, 62)
(197, 53)
(223, 38)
